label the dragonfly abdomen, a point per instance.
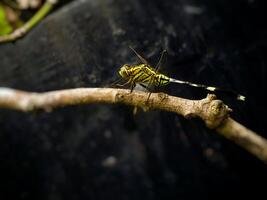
(161, 80)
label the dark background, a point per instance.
(103, 151)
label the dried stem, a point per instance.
(20, 32)
(213, 112)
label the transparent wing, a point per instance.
(143, 60)
(157, 68)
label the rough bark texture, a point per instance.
(212, 111)
(99, 152)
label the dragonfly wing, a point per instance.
(151, 80)
(114, 83)
(139, 56)
(141, 87)
(160, 60)
(156, 70)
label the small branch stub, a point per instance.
(213, 111)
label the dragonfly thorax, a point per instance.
(143, 73)
(129, 71)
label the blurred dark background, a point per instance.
(103, 151)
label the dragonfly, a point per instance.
(147, 76)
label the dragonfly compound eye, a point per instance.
(124, 71)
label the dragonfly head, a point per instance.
(124, 71)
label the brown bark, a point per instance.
(213, 112)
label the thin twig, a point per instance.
(213, 112)
(20, 32)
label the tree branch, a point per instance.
(213, 112)
(20, 32)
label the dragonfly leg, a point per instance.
(132, 86)
(122, 85)
(148, 97)
(149, 84)
(115, 83)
